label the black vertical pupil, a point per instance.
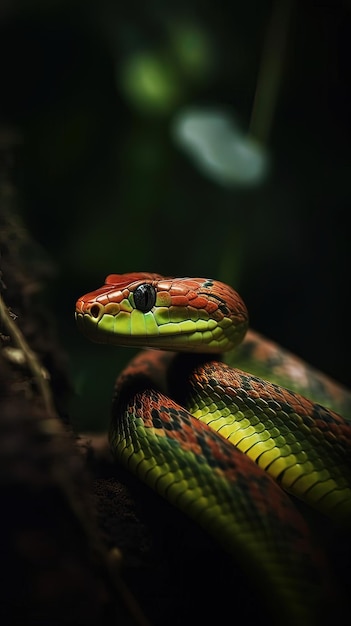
(144, 297)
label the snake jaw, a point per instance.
(102, 329)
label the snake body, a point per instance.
(183, 447)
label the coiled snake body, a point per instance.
(183, 446)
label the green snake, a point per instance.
(227, 447)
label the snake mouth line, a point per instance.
(183, 341)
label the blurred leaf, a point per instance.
(219, 149)
(192, 49)
(150, 83)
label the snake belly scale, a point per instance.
(228, 447)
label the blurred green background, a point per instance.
(144, 147)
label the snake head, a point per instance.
(149, 310)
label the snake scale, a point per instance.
(225, 446)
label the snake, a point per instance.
(234, 451)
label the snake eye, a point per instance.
(144, 297)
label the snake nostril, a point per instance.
(95, 310)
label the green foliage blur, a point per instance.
(105, 187)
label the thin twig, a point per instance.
(269, 77)
(33, 362)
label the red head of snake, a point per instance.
(143, 309)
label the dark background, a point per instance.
(104, 188)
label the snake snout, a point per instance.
(94, 309)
